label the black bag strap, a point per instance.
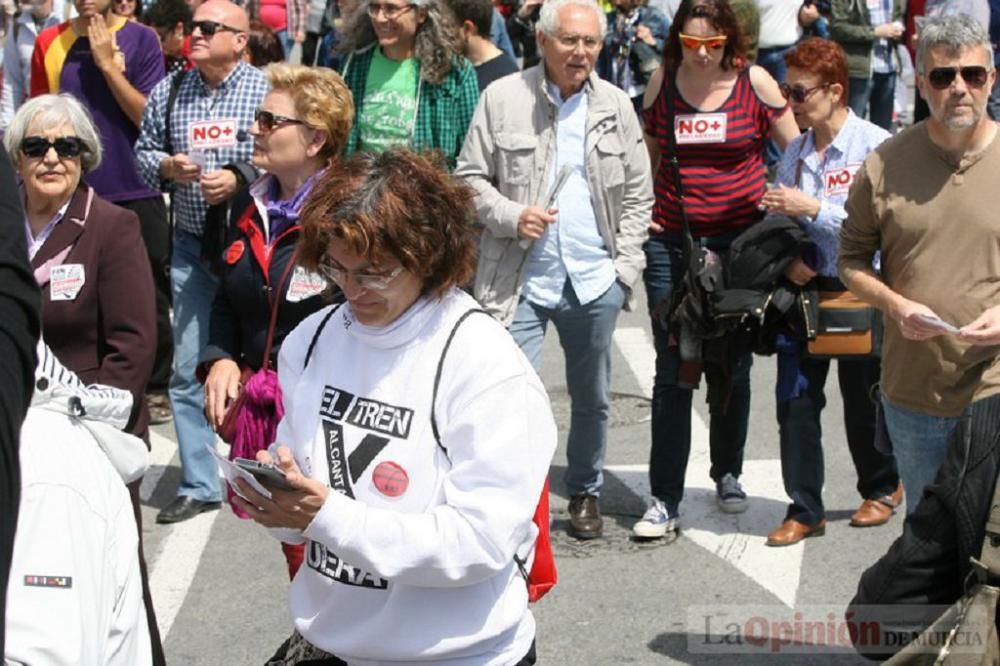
(175, 89)
(671, 96)
(437, 375)
(316, 334)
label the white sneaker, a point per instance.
(656, 522)
(730, 495)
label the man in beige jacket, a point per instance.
(564, 192)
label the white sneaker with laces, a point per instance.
(656, 522)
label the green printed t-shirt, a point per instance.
(389, 109)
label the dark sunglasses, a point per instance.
(209, 28)
(942, 77)
(268, 121)
(799, 94)
(38, 146)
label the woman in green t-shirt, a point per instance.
(411, 85)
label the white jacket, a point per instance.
(415, 560)
(75, 593)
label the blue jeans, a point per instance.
(919, 442)
(585, 335)
(875, 95)
(671, 409)
(800, 431)
(193, 287)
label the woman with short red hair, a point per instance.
(814, 177)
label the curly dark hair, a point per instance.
(396, 203)
(438, 42)
(722, 18)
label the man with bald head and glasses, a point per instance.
(922, 202)
(567, 255)
(195, 142)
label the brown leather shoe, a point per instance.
(878, 511)
(792, 531)
(585, 520)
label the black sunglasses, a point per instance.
(38, 146)
(268, 121)
(942, 77)
(798, 94)
(209, 28)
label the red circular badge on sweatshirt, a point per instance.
(390, 479)
(234, 252)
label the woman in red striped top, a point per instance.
(723, 113)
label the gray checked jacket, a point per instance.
(508, 158)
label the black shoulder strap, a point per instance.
(675, 165)
(316, 334)
(437, 375)
(175, 88)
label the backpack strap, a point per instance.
(437, 376)
(316, 334)
(175, 88)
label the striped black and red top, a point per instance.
(721, 158)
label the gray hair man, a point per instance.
(568, 255)
(921, 200)
(194, 140)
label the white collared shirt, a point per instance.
(572, 247)
(35, 243)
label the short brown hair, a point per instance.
(720, 15)
(823, 58)
(321, 99)
(395, 203)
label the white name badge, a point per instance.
(304, 285)
(700, 128)
(838, 180)
(212, 134)
(66, 281)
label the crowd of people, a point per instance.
(334, 235)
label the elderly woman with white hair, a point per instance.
(411, 85)
(98, 304)
(97, 290)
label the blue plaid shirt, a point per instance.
(829, 179)
(235, 98)
(880, 12)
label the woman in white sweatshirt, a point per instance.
(416, 435)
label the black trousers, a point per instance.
(801, 437)
(155, 228)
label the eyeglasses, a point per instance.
(942, 77)
(388, 10)
(38, 146)
(209, 28)
(363, 280)
(713, 43)
(571, 41)
(268, 121)
(799, 94)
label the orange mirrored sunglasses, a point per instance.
(713, 43)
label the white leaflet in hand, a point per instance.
(937, 323)
(232, 472)
(198, 157)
